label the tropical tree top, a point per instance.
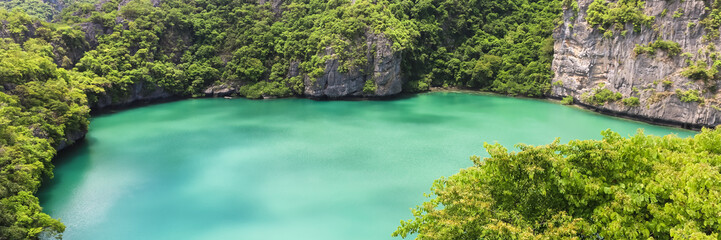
(614, 188)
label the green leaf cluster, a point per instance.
(631, 101)
(700, 71)
(689, 96)
(369, 87)
(616, 15)
(601, 95)
(670, 47)
(567, 100)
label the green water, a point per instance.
(288, 168)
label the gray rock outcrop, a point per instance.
(584, 60)
(137, 92)
(382, 68)
(221, 90)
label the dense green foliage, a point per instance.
(670, 47)
(631, 101)
(45, 10)
(609, 16)
(614, 188)
(700, 71)
(689, 96)
(568, 100)
(40, 106)
(601, 95)
(503, 46)
(36, 8)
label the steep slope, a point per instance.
(621, 70)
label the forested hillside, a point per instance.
(59, 59)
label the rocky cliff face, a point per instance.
(383, 70)
(585, 61)
(137, 92)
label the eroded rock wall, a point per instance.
(585, 60)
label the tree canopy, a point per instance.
(614, 188)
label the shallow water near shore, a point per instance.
(289, 168)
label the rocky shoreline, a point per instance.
(626, 115)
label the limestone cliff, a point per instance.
(585, 61)
(383, 70)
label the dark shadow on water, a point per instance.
(95, 112)
(74, 149)
(67, 157)
(399, 96)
